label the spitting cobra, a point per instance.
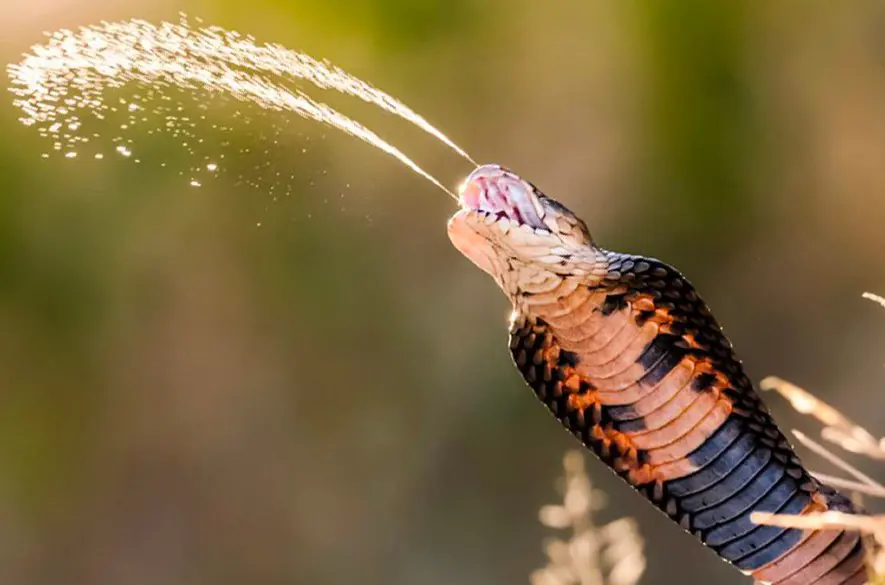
(626, 355)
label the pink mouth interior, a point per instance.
(502, 197)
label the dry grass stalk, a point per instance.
(849, 436)
(838, 428)
(874, 298)
(870, 525)
(824, 520)
(610, 554)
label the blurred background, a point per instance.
(301, 381)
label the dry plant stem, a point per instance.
(875, 298)
(838, 429)
(823, 521)
(837, 461)
(585, 544)
(593, 554)
(847, 484)
(853, 438)
(858, 440)
(805, 403)
(872, 526)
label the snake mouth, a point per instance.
(494, 192)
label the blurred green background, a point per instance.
(187, 397)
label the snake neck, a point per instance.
(637, 368)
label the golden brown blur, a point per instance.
(288, 375)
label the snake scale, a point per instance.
(626, 355)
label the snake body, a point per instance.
(626, 356)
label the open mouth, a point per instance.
(493, 191)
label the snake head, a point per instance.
(525, 240)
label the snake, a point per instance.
(626, 355)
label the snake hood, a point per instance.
(528, 242)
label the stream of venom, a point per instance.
(63, 81)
